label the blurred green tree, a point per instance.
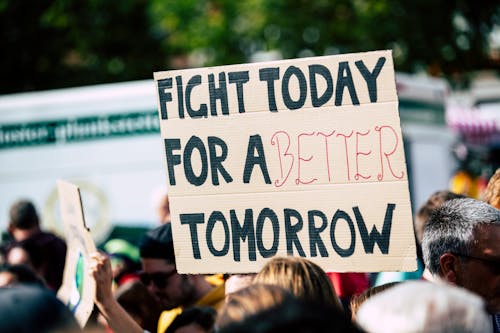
(59, 43)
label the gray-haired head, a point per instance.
(418, 306)
(451, 229)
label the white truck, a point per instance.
(106, 139)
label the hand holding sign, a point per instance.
(100, 269)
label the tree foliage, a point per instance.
(60, 43)
(50, 44)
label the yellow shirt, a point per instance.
(215, 299)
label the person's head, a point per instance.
(301, 277)
(159, 272)
(18, 274)
(358, 300)
(26, 252)
(434, 201)
(424, 307)
(235, 282)
(124, 257)
(135, 298)
(197, 319)
(33, 309)
(249, 301)
(491, 194)
(23, 218)
(294, 315)
(461, 244)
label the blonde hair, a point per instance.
(303, 278)
(249, 301)
(492, 192)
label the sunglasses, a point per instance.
(492, 264)
(160, 279)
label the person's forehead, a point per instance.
(6, 278)
(487, 239)
(156, 265)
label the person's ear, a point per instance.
(448, 263)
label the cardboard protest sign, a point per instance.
(298, 157)
(78, 288)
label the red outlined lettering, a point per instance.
(326, 136)
(276, 141)
(346, 153)
(358, 175)
(379, 129)
(299, 181)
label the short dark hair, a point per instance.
(203, 316)
(25, 308)
(23, 274)
(135, 298)
(158, 244)
(23, 215)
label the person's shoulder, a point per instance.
(48, 235)
(45, 238)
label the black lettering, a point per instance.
(371, 78)
(215, 217)
(267, 213)
(180, 98)
(292, 230)
(270, 75)
(219, 93)
(255, 145)
(240, 78)
(344, 79)
(195, 143)
(340, 214)
(382, 239)
(314, 233)
(164, 96)
(216, 161)
(202, 112)
(285, 88)
(172, 160)
(321, 70)
(192, 220)
(245, 232)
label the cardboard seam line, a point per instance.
(320, 187)
(344, 107)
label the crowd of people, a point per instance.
(456, 287)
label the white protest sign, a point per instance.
(78, 288)
(298, 157)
